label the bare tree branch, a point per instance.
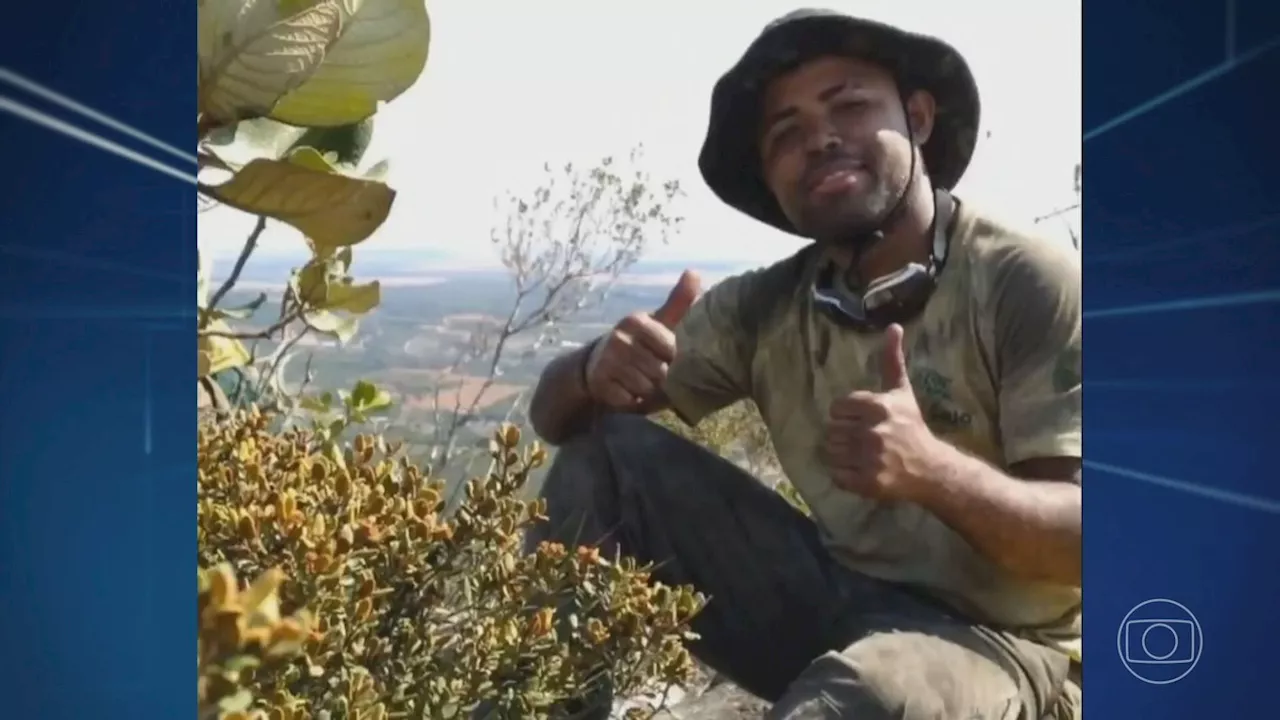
(1058, 212)
(564, 243)
(250, 244)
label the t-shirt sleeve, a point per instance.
(1037, 331)
(715, 343)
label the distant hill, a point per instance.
(422, 266)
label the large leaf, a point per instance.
(367, 397)
(331, 209)
(253, 52)
(380, 53)
(352, 298)
(240, 312)
(239, 144)
(332, 324)
(216, 354)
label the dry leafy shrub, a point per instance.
(419, 615)
(239, 630)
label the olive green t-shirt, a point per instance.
(994, 360)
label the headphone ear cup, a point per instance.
(902, 308)
(905, 303)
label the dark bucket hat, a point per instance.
(730, 161)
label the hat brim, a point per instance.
(729, 160)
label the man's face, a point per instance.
(834, 146)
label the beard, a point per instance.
(850, 219)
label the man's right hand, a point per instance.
(628, 366)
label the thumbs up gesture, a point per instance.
(627, 366)
(877, 443)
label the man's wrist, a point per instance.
(935, 471)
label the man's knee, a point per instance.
(901, 676)
(617, 446)
(590, 475)
(836, 686)
(594, 444)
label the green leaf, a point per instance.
(341, 328)
(379, 53)
(237, 702)
(251, 53)
(216, 354)
(355, 299)
(380, 403)
(310, 283)
(313, 404)
(242, 662)
(331, 209)
(367, 397)
(363, 392)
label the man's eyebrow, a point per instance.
(824, 96)
(834, 90)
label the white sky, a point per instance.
(511, 84)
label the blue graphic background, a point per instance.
(97, 422)
(97, 427)
(1181, 213)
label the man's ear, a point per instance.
(921, 111)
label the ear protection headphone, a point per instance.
(895, 298)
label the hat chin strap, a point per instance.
(875, 236)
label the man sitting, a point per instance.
(918, 368)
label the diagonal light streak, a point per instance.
(1214, 301)
(1218, 234)
(1229, 497)
(86, 262)
(61, 126)
(1251, 385)
(1183, 88)
(13, 78)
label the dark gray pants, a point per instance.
(785, 621)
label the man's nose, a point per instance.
(823, 139)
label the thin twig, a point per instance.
(258, 335)
(250, 245)
(1056, 213)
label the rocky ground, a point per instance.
(708, 698)
(723, 702)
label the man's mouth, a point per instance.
(835, 177)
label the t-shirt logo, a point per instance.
(940, 410)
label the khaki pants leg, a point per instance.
(917, 667)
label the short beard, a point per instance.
(853, 224)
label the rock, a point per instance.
(725, 701)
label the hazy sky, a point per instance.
(512, 84)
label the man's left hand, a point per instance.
(878, 444)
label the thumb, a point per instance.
(893, 367)
(680, 299)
